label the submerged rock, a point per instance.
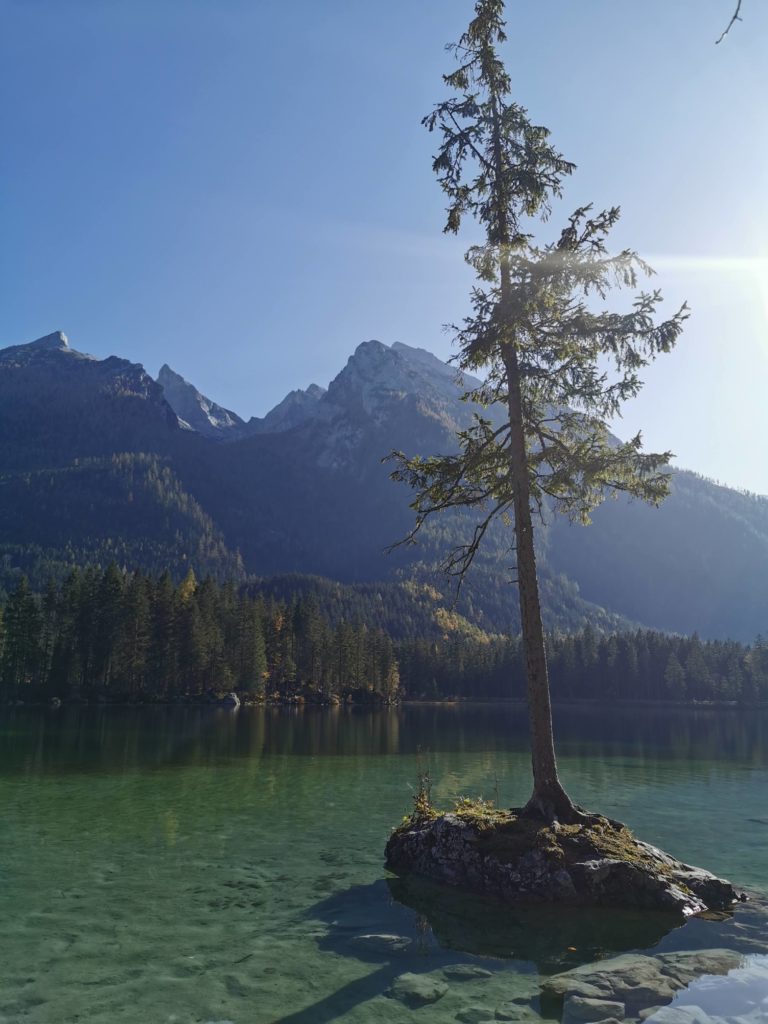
(466, 972)
(586, 1010)
(517, 859)
(634, 980)
(383, 944)
(524, 1013)
(475, 1015)
(683, 1015)
(417, 989)
(739, 997)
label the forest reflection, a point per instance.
(116, 739)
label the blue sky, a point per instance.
(242, 188)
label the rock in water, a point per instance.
(585, 1010)
(386, 945)
(466, 972)
(418, 989)
(636, 981)
(517, 859)
(475, 1015)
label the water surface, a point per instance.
(183, 866)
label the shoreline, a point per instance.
(378, 705)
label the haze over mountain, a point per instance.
(99, 461)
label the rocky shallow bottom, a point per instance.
(516, 859)
(709, 986)
(670, 988)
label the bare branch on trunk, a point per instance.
(736, 17)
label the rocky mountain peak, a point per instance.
(376, 374)
(50, 346)
(426, 361)
(57, 341)
(296, 408)
(82, 406)
(169, 376)
(194, 409)
(197, 412)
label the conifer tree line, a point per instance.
(130, 637)
(643, 665)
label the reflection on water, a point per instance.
(188, 865)
(110, 738)
(552, 938)
(741, 997)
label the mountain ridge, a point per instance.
(304, 490)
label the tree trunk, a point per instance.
(548, 800)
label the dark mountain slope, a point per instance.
(130, 508)
(86, 448)
(697, 563)
(57, 404)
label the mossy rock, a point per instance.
(517, 858)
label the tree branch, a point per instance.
(460, 559)
(463, 135)
(736, 17)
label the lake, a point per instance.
(184, 865)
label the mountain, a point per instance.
(296, 408)
(99, 461)
(206, 417)
(57, 405)
(85, 469)
(193, 409)
(699, 563)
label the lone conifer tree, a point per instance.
(558, 365)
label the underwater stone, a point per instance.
(584, 1009)
(466, 972)
(475, 1015)
(417, 989)
(383, 943)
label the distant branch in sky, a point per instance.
(736, 17)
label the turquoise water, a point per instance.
(182, 865)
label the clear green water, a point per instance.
(180, 866)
